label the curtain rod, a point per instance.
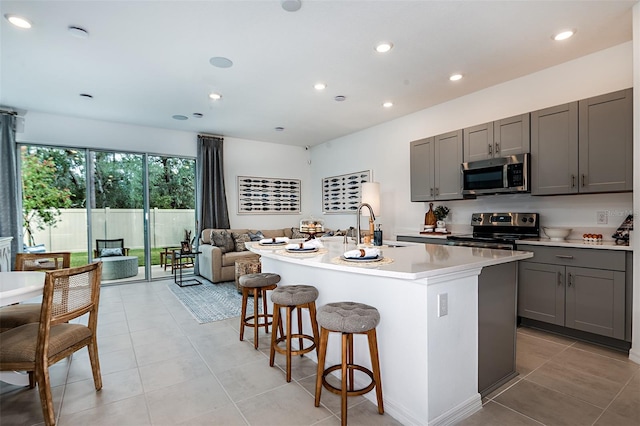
(211, 136)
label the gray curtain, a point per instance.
(212, 199)
(11, 204)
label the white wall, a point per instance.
(242, 157)
(385, 148)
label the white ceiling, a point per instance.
(145, 61)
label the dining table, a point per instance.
(15, 287)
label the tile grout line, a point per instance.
(516, 411)
(615, 397)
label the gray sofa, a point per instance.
(217, 264)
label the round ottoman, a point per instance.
(118, 267)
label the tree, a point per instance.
(41, 198)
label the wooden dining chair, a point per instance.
(25, 313)
(68, 294)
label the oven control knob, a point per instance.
(524, 219)
(530, 220)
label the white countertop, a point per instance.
(602, 245)
(410, 262)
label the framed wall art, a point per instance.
(263, 195)
(342, 194)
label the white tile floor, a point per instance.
(160, 367)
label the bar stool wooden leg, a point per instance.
(344, 377)
(375, 366)
(256, 318)
(314, 324)
(243, 311)
(288, 342)
(274, 336)
(322, 355)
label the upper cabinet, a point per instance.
(500, 138)
(435, 167)
(605, 151)
(584, 146)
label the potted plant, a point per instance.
(441, 212)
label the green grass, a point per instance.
(80, 258)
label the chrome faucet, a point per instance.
(373, 218)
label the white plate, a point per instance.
(303, 250)
(279, 243)
(362, 259)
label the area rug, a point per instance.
(211, 302)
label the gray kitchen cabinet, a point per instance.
(422, 169)
(435, 167)
(501, 138)
(583, 147)
(554, 150)
(605, 137)
(581, 289)
(541, 292)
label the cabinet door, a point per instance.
(606, 143)
(421, 164)
(511, 136)
(448, 158)
(541, 292)
(478, 142)
(595, 301)
(554, 150)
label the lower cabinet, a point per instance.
(555, 287)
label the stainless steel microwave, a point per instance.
(496, 175)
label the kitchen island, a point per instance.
(428, 353)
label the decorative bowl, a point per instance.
(556, 234)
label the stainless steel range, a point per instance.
(498, 230)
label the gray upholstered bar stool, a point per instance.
(258, 285)
(348, 318)
(292, 297)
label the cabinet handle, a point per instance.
(583, 185)
(437, 191)
(570, 281)
(573, 181)
(431, 191)
(559, 278)
(497, 148)
(490, 149)
(564, 256)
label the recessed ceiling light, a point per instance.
(340, 98)
(319, 86)
(221, 62)
(384, 47)
(18, 21)
(563, 35)
(86, 96)
(279, 129)
(197, 115)
(291, 5)
(78, 32)
(180, 117)
(387, 104)
(215, 96)
(455, 77)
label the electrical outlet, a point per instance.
(602, 218)
(443, 304)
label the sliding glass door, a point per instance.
(72, 198)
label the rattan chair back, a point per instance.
(42, 261)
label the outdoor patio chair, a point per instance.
(26, 313)
(110, 248)
(34, 347)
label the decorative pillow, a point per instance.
(240, 239)
(257, 236)
(107, 252)
(295, 233)
(223, 239)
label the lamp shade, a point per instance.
(371, 196)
